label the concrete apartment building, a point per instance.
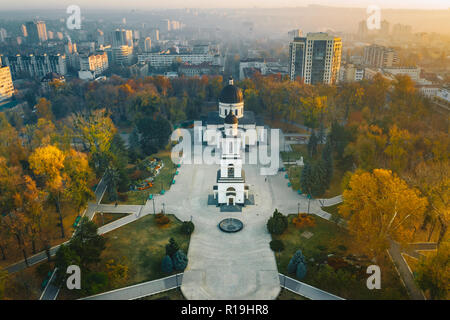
(380, 57)
(315, 58)
(6, 84)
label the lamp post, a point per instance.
(153, 199)
(309, 200)
(298, 208)
(164, 210)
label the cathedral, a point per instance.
(233, 125)
(231, 101)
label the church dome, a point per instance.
(231, 119)
(231, 94)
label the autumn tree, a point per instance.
(44, 109)
(399, 145)
(368, 149)
(380, 206)
(432, 179)
(79, 174)
(313, 110)
(11, 148)
(96, 133)
(48, 163)
(3, 280)
(31, 202)
(433, 274)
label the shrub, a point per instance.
(321, 247)
(292, 267)
(172, 247)
(301, 271)
(187, 227)
(180, 260)
(342, 247)
(277, 245)
(94, 282)
(162, 219)
(297, 265)
(167, 265)
(303, 220)
(277, 224)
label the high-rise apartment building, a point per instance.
(315, 58)
(147, 44)
(296, 33)
(35, 66)
(6, 84)
(97, 62)
(23, 28)
(122, 55)
(122, 37)
(380, 57)
(37, 31)
(363, 31)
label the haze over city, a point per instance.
(235, 152)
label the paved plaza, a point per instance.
(229, 266)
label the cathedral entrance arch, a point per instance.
(231, 196)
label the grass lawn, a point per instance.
(289, 295)
(298, 150)
(331, 241)
(162, 181)
(141, 246)
(174, 294)
(107, 218)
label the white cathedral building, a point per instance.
(231, 101)
(230, 188)
(230, 137)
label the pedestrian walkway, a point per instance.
(395, 252)
(141, 290)
(306, 290)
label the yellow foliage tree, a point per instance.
(48, 162)
(400, 143)
(380, 206)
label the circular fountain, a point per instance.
(231, 225)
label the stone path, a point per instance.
(306, 290)
(231, 266)
(140, 290)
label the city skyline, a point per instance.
(178, 4)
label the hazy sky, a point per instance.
(148, 4)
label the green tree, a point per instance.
(65, 256)
(276, 245)
(180, 260)
(187, 227)
(167, 264)
(87, 243)
(172, 247)
(327, 158)
(278, 223)
(312, 145)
